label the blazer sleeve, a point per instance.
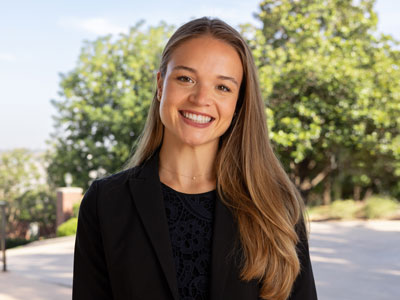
(90, 276)
(304, 285)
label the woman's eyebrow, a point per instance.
(233, 80)
(181, 67)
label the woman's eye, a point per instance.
(224, 88)
(184, 79)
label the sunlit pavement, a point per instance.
(356, 260)
(351, 260)
(39, 271)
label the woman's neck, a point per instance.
(188, 169)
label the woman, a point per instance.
(204, 209)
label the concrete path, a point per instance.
(351, 260)
(39, 271)
(356, 260)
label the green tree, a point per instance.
(104, 103)
(332, 85)
(38, 205)
(23, 186)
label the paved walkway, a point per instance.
(39, 271)
(356, 260)
(351, 261)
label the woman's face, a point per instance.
(199, 91)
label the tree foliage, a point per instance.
(332, 85)
(23, 186)
(39, 206)
(104, 103)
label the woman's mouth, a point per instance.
(200, 119)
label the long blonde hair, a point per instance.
(250, 179)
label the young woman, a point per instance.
(204, 209)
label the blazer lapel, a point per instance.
(146, 193)
(223, 244)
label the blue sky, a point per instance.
(40, 39)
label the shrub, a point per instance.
(319, 213)
(68, 227)
(16, 242)
(75, 209)
(380, 207)
(344, 209)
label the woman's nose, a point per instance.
(202, 95)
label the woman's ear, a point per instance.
(159, 86)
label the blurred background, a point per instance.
(77, 78)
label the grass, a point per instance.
(375, 207)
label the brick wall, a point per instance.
(66, 198)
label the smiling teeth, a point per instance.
(197, 118)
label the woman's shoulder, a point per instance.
(113, 182)
(109, 192)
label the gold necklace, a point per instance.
(191, 177)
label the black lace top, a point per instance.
(190, 222)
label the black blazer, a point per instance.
(123, 250)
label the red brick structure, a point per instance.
(66, 198)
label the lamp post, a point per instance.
(3, 233)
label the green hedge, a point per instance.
(68, 227)
(344, 209)
(377, 207)
(75, 209)
(12, 243)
